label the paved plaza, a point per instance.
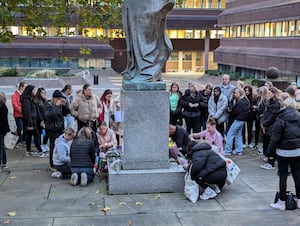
(28, 189)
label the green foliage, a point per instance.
(36, 15)
(11, 72)
(212, 72)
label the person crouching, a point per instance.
(208, 169)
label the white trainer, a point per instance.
(208, 193)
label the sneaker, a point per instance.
(240, 153)
(251, 146)
(227, 153)
(244, 146)
(83, 179)
(280, 205)
(234, 152)
(208, 194)
(260, 151)
(45, 148)
(74, 179)
(43, 155)
(265, 159)
(57, 174)
(28, 153)
(217, 189)
(267, 166)
(4, 166)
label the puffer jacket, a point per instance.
(16, 103)
(240, 110)
(186, 99)
(86, 109)
(269, 116)
(286, 131)
(61, 152)
(30, 112)
(205, 161)
(82, 153)
(54, 119)
(4, 126)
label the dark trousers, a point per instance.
(35, 134)
(65, 169)
(92, 124)
(192, 123)
(283, 166)
(217, 177)
(175, 118)
(257, 132)
(52, 136)
(2, 151)
(220, 127)
(248, 125)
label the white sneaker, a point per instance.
(74, 179)
(45, 148)
(83, 179)
(56, 174)
(217, 189)
(280, 205)
(267, 166)
(208, 194)
(251, 146)
(260, 151)
(43, 155)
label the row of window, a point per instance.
(39, 63)
(117, 33)
(269, 29)
(203, 4)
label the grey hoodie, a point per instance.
(61, 152)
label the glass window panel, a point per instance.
(238, 31)
(285, 28)
(180, 34)
(172, 33)
(174, 56)
(267, 29)
(256, 28)
(187, 56)
(35, 63)
(25, 62)
(251, 30)
(189, 34)
(6, 62)
(261, 30)
(298, 28)
(291, 28)
(45, 62)
(279, 29)
(197, 34)
(243, 31)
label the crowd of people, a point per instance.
(263, 119)
(77, 128)
(227, 117)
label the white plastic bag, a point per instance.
(232, 171)
(191, 188)
(10, 140)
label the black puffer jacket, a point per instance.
(269, 116)
(30, 112)
(286, 131)
(188, 98)
(54, 119)
(82, 153)
(205, 161)
(240, 110)
(4, 126)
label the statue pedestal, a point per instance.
(146, 166)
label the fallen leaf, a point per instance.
(54, 193)
(13, 177)
(37, 171)
(98, 192)
(122, 203)
(157, 196)
(106, 209)
(138, 203)
(129, 223)
(6, 222)
(12, 213)
(92, 203)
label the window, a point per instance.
(267, 29)
(291, 28)
(285, 28)
(279, 29)
(298, 28)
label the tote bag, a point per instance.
(191, 188)
(10, 140)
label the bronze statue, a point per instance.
(148, 46)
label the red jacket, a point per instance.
(16, 103)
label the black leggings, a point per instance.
(283, 165)
(217, 177)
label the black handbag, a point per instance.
(290, 200)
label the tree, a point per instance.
(35, 15)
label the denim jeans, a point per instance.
(69, 121)
(89, 172)
(20, 130)
(235, 132)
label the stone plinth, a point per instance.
(145, 129)
(146, 181)
(145, 159)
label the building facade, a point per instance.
(191, 28)
(260, 34)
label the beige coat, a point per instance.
(86, 109)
